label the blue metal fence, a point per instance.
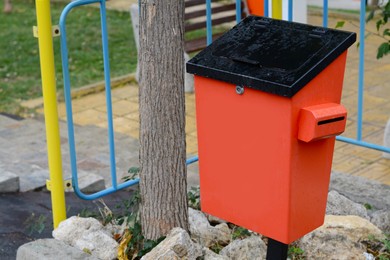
(115, 186)
(355, 141)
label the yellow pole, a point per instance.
(46, 54)
(277, 9)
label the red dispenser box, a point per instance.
(268, 110)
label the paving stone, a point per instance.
(36, 179)
(9, 182)
(50, 249)
(90, 183)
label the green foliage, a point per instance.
(133, 171)
(240, 233)
(87, 213)
(148, 245)
(367, 206)
(137, 246)
(35, 224)
(295, 253)
(194, 198)
(383, 50)
(340, 24)
(384, 14)
(19, 59)
(379, 248)
(216, 248)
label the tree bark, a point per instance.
(163, 178)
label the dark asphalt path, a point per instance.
(19, 212)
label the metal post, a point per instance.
(209, 33)
(46, 55)
(325, 14)
(277, 9)
(276, 250)
(238, 11)
(266, 8)
(290, 10)
(361, 70)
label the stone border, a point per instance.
(82, 91)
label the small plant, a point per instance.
(35, 224)
(368, 206)
(379, 248)
(194, 197)
(240, 233)
(87, 213)
(216, 248)
(295, 253)
(384, 12)
(133, 171)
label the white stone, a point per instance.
(386, 139)
(177, 245)
(361, 190)
(9, 182)
(340, 205)
(249, 248)
(205, 234)
(214, 220)
(381, 219)
(87, 233)
(210, 255)
(50, 249)
(339, 238)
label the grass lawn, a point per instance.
(20, 77)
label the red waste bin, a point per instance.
(268, 109)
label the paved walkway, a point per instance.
(350, 159)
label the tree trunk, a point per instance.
(163, 174)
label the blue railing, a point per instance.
(355, 141)
(115, 186)
(68, 102)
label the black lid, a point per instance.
(270, 55)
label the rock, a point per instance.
(381, 219)
(9, 182)
(87, 234)
(214, 220)
(249, 248)
(90, 183)
(177, 245)
(340, 205)
(386, 139)
(210, 255)
(338, 238)
(361, 190)
(205, 234)
(50, 249)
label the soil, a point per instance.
(25, 217)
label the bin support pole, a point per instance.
(276, 250)
(46, 56)
(277, 9)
